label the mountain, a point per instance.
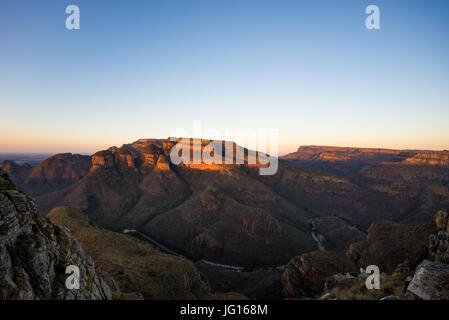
(137, 267)
(205, 211)
(54, 173)
(17, 173)
(34, 253)
(340, 160)
(388, 244)
(402, 186)
(347, 161)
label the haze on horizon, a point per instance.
(308, 68)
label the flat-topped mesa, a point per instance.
(201, 153)
(436, 158)
(146, 154)
(325, 153)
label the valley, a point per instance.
(327, 211)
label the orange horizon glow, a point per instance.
(28, 144)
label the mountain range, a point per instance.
(229, 213)
(326, 212)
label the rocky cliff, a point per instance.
(405, 185)
(34, 253)
(388, 244)
(307, 274)
(204, 211)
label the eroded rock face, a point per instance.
(439, 242)
(436, 158)
(442, 220)
(431, 281)
(124, 158)
(34, 253)
(149, 156)
(389, 244)
(307, 274)
(102, 159)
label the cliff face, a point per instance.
(324, 153)
(307, 274)
(348, 161)
(203, 211)
(207, 210)
(34, 253)
(388, 244)
(430, 158)
(340, 160)
(405, 185)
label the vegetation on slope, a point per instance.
(136, 266)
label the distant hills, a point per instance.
(229, 213)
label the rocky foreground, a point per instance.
(419, 252)
(34, 253)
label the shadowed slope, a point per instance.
(136, 266)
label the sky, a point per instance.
(143, 69)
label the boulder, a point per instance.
(431, 281)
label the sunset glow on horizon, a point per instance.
(309, 69)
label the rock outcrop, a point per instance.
(204, 212)
(442, 220)
(307, 274)
(34, 253)
(439, 242)
(431, 281)
(434, 158)
(388, 244)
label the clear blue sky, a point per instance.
(141, 69)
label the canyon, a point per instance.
(208, 211)
(327, 212)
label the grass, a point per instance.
(135, 266)
(355, 289)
